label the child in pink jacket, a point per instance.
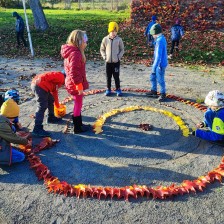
(76, 82)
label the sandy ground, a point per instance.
(122, 155)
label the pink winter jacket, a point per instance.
(74, 68)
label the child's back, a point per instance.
(176, 32)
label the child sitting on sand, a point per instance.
(8, 155)
(213, 118)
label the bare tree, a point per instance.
(112, 4)
(40, 21)
(67, 4)
(116, 6)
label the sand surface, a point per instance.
(122, 155)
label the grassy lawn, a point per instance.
(196, 47)
(61, 22)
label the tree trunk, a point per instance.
(116, 7)
(112, 5)
(40, 21)
(67, 4)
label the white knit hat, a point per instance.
(214, 98)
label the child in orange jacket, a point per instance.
(45, 87)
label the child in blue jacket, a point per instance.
(160, 63)
(19, 29)
(213, 118)
(177, 31)
(150, 39)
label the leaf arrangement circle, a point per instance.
(53, 184)
(97, 126)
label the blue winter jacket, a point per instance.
(19, 24)
(160, 53)
(177, 31)
(217, 132)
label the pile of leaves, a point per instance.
(203, 22)
(195, 15)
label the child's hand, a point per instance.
(80, 92)
(29, 144)
(37, 81)
(200, 125)
(18, 125)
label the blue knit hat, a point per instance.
(154, 18)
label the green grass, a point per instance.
(61, 22)
(196, 48)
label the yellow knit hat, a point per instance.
(10, 109)
(113, 26)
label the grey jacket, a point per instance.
(112, 50)
(7, 136)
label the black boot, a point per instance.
(53, 119)
(162, 97)
(152, 93)
(84, 126)
(40, 132)
(78, 128)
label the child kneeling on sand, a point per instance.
(213, 118)
(8, 155)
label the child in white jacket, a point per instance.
(112, 50)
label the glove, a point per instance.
(193, 133)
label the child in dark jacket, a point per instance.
(213, 118)
(112, 50)
(177, 31)
(150, 39)
(73, 53)
(8, 155)
(19, 29)
(45, 87)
